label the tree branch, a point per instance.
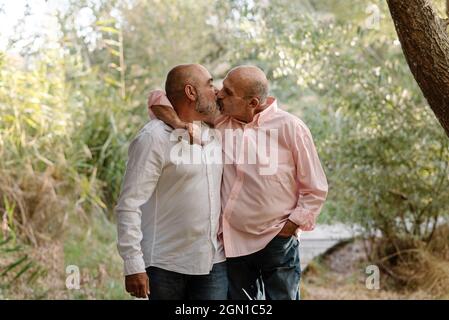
(425, 44)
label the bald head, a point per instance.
(252, 81)
(180, 76)
(190, 88)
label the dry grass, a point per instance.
(36, 203)
(418, 272)
(48, 260)
(41, 212)
(417, 265)
(33, 210)
(89, 246)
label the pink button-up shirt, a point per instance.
(272, 174)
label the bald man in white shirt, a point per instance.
(168, 212)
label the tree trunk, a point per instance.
(425, 43)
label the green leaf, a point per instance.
(13, 265)
(105, 22)
(23, 270)
(108, 29)
(111, 42)
(114, 52)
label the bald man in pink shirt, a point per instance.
(273, 184)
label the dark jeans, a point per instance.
(274, 270)
(169, 285)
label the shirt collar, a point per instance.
(267, 113)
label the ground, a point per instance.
(340, 274)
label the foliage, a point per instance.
(69, 107)
(384, 152)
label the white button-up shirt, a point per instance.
(169, 208)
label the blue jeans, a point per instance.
(272, 273)
(169, 285)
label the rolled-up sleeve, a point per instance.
(311, 179)
(144, 166)
(157, 98)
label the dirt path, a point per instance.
(316, 242)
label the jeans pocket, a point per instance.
(282, 237)
(281, 243)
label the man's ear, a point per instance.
(254, 103)
(190, 92)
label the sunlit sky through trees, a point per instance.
(35, 20)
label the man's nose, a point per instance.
(216, 90)
(219, 94)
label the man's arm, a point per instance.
(160, 107)
(169, 116)
(311, 180)
(144, 166)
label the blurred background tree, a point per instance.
(425, 42)
(73, 94)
